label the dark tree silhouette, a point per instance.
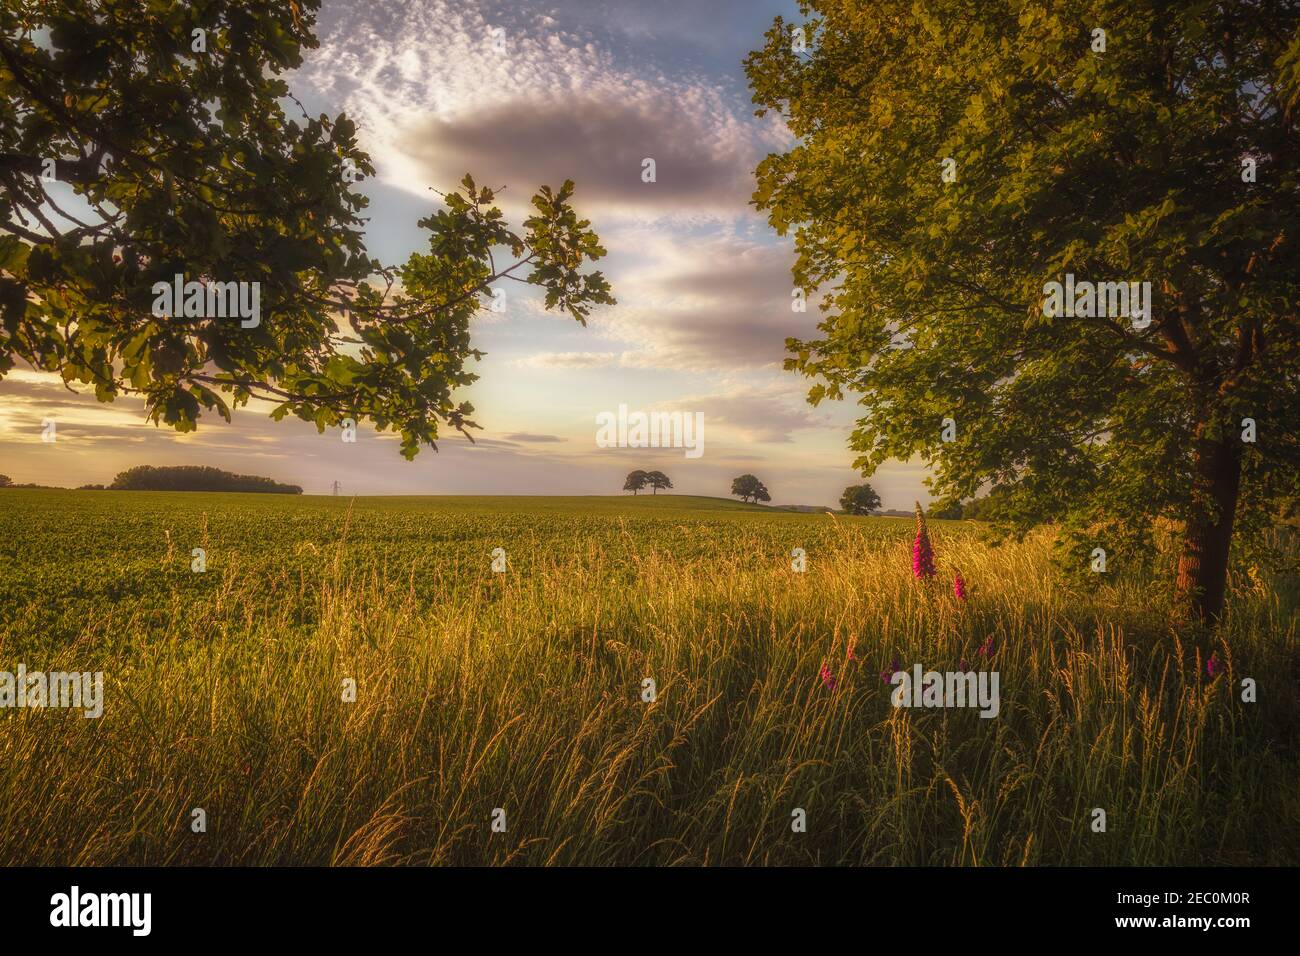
(636, 480)
(749, 488)
(860, 500)
(195, 478)
(657, 480)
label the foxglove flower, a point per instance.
(959, 587)
(828, 679)
(1214, 666)
(922, 553)
(887, 675)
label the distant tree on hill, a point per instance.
(5, 481)
(749, 488)
(657, 480)
(195, 478)
(636, 480)
(860, 500)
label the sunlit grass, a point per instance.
(523, 691)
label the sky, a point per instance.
(520, 95)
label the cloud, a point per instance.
(34, 398)
(532, 437)
(599, 143)
(569, 360)
(732, 27)
(752, 414)
(707, 304)
(520, 99)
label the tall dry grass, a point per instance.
(523, 691)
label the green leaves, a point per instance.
(193, 168)
(1115, 166)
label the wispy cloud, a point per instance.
(752, 414)
(533, 438)
(522, 99)
(569, 360)
(712, 303)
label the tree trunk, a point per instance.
(1203, 568)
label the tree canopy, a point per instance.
(749, 488)
(636, 480)
(195, 478)
(144, 141)
(954, 159)
(657, 480)
(860, 500)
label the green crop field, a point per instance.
(520, 697)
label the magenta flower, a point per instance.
(987, 648)
(922, 553)
(886, 675)
(963, 666)
(1214, 666)
(828, 679)
(959, 587)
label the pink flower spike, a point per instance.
(1213, 666)
(959, 587)
(887, 675)
(828, 679)
(922, 552)
(987, 649)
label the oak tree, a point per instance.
(860, 500)
(749, 488)
(657, 480)
(951, 160)
(636, 480)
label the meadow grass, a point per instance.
(523, 691)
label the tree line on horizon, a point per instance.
(639, 480)
(746, 487)
(856, 499)
(195, 478)
(179, 478)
